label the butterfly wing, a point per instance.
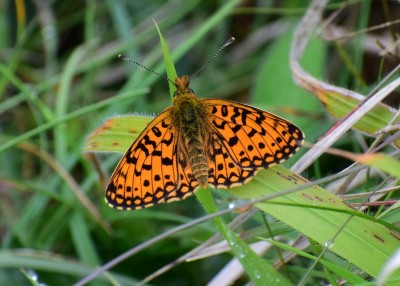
(242, 140)
(149, 172)
(187, 183)
(246, 139)
(224, 171)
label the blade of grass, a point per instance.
(112, 135)
(313, 207)
(349, 276)
(62, 98)
(46, 261)
(82, 240)
(169, 63)
(259, 271)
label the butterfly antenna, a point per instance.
(227, 43)
(128, 59)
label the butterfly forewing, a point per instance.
(147, 172)
(253, 138)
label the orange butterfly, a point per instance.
(199, 142)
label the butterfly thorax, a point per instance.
(189, 116)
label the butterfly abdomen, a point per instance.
(194, 139)
(198, 160)
(189, 117)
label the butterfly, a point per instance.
(196, 143)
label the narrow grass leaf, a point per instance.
(258, 269)
(382, 162)
(116, 134)
(319, 214)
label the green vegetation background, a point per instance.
(61, 79)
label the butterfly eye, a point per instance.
(176, 93)
(190, 91)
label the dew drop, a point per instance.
(329, 244)
(33, 275)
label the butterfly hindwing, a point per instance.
(224, 171)
(187, 183)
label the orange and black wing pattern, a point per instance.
(246, 139)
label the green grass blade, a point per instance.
(116, 134)
(169, 63)
(319, 214)
(258, 269)
(81, 238)
(31, 259)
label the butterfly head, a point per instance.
(182, 86)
